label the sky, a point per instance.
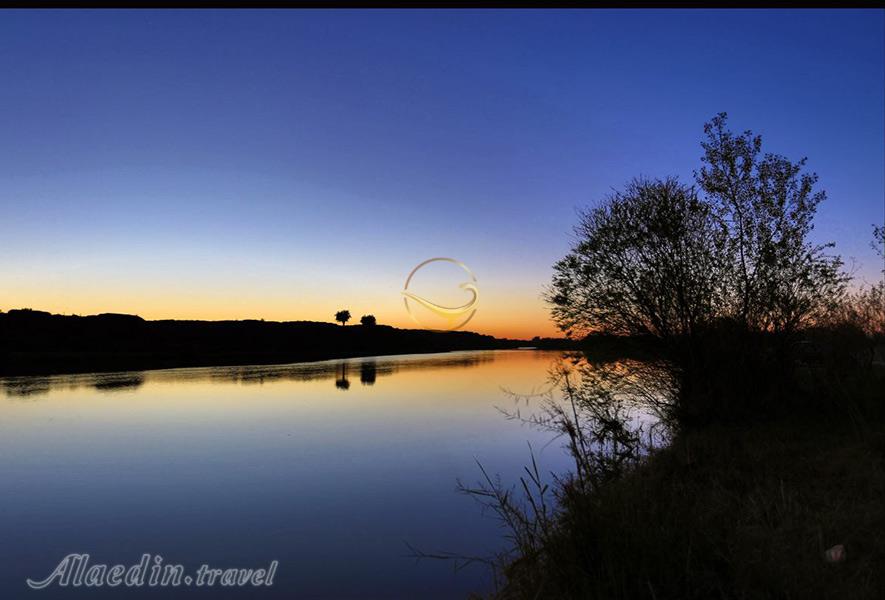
(286, 164)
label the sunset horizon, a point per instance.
(435, 302)
(165, 186)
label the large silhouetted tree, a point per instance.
(709, 276)
(778, 280)
(342, 316)
(657, 259)
(646, 262)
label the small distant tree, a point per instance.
(342, 316)
(368, 320)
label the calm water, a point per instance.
(329, 468)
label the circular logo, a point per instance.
(453, 317)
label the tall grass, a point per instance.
(738, 498)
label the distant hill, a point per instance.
(37, 342)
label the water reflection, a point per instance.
(118, 382)
(238, 466)
(25, 387)
(341, 380)
(606, 409)
(370, 370)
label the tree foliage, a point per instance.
(645, 263)
(722, 275)
(659, 259)
(777, 279)
(864, 308)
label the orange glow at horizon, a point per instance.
(500, 314)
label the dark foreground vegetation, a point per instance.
(736, 508)
(36, 342)
(762, 473)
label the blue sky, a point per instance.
(283, 164)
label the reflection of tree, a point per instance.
(368, 372)
(600, 414)
(341, 381)
(610, 413)
(322, 370)
(25, 387)
(118, 382)
(35, 386)
(22, 387)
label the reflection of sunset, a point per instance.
(369, 295)
(406, 375)
(277, 459)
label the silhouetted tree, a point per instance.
(777, 279)
(645, 263)
(878, 243)
(864, 308)
(368, 320)
(710, 277)
(342, 316)
(655, 259)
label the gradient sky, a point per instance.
(283, 164)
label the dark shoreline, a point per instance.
(39, 343)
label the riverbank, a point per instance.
(39, 343)
(739, 511)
